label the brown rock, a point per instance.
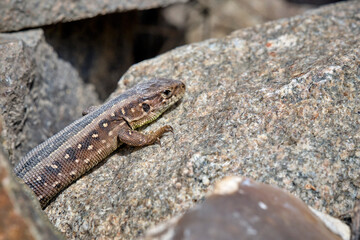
(241, 208)
(20, 214)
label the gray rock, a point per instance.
(278, 103)
(20, 212)
(15, 15)
(39, 93)
(240, 208)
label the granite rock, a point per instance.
(16, 15)
(20, 212)
(278, 103)
(39, 93)
(242, 207)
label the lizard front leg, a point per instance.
(137, 139)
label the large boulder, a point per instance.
(278, 103)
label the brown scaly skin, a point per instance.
(63, 158)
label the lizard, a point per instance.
(63, 158)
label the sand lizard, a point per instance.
(66, 156)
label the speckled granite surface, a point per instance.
(278, 103)
(16, 15)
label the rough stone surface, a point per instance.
(15, 15)
(252, 210)
(39, 93)
(20, 212)
(278, 103)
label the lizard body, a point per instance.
(66, 156)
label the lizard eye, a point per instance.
(145, 107)
(167, 93)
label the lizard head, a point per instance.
(152, 99)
